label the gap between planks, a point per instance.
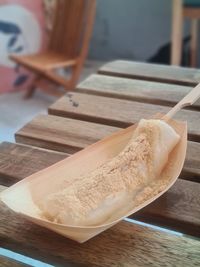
(7, 262)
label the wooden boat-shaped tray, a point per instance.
(24, 196)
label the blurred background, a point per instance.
(134, 30)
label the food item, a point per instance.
(93, 198)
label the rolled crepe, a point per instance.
(94, 197)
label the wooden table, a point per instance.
(118, 96)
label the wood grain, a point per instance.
(177, 209)
(192, 162)
(125, 244)
(19, 161)
(6, 262)
(177, 32)
(62, 134)
(152, 72)
(136, 90)
(41, 132)
(117, 112)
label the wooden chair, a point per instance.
(184, 9)
(67, 48)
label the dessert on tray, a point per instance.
(95, 196)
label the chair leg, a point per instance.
(193, 48)
(29, 93)
(49, 88)
(31, 89)
(177, 28)
(76, 75)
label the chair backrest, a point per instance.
(72, 22)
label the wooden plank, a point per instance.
(61, 134)
(178, 208)
(40, 132)
(6, 262)
(192, 162)
(136, 90)
(117, 112)
(152, 72)
(19, 161)
(125, 244)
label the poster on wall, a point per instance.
(22, 31)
